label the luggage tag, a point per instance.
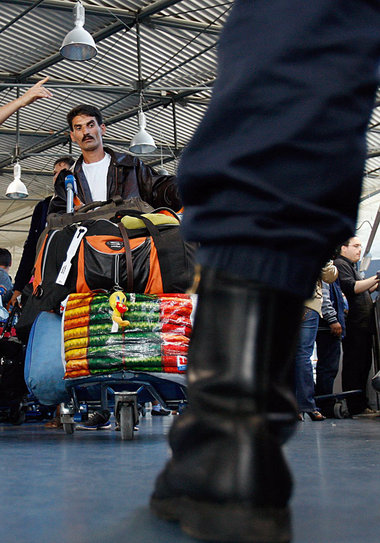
(71, 252)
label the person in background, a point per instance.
(25, 269)
(5, 280)
(31, 95)
(270, 184)
(331, 331)
(357, 344)
(303, 366)
(37, 225)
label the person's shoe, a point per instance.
(161, 412)
(367, 413)
(54, 423)
(227, 479)
(315, 415)
(99, 420)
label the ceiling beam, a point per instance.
(184, 24)
(127, 15)
(20, 15)
(63, 5)
(102, 34)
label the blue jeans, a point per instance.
(303, 367)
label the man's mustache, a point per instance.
(87, 138)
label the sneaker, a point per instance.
(160, 412)
(99, 420)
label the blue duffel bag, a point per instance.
(44, 368)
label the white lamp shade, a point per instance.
(142, 143)
(78, 45)
(17, 190)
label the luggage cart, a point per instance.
(123, 391)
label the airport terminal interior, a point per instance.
(151, 64)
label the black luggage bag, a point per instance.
(13, 390)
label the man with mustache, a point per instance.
(101, 173)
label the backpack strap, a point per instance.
(128, 256)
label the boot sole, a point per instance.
(226, 522)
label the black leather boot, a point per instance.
(227, 479)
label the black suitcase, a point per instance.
(13, 390)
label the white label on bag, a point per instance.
(71, 252)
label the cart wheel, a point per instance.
(126, 422)
(68, 428)
(339, 411)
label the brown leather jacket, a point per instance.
(127, 176)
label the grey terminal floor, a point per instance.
(91, 487)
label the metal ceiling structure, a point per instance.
(164, 48)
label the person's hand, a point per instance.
(35, 93)
(336, 329)
(12, 301)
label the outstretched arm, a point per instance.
(31, 95)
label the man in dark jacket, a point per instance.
(101, 173)
(37, 226)
(357, 344)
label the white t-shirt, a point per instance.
(96, 175)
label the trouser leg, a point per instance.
(228, 479)
(357, 360)
(303, 366)
(328, 357)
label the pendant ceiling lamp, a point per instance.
(17, 189)
(142, 143)
(78, 43)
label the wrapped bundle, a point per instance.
(155, 338)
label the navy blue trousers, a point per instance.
(272, 177)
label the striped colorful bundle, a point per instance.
(156, 340)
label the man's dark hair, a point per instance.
(5, 258)
(84, 109)
(338, 250)
(65, 158)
